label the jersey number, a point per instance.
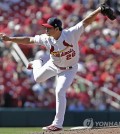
(69, 56)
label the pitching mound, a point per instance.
(108, 130)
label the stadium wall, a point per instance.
(17, 117)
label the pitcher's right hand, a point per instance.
(4, 37)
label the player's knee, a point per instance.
(38, 79)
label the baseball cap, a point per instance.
(53, 22)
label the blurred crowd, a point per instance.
(99, 55)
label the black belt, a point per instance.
(64, 68)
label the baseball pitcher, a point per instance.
(64, 56)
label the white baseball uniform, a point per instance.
(64, 56)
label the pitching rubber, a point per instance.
(79, 127)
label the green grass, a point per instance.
(21, 130)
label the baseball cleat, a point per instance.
(37, 63)
(30, 66)
(51, 128)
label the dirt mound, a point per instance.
(104, 130)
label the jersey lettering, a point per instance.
(69, 54)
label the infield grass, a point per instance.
(21, 130)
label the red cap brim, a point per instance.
(47, 25)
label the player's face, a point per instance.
(50, 31)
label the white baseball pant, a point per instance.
(64, 80)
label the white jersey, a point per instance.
(64, 52)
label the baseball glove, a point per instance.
(107, 11)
